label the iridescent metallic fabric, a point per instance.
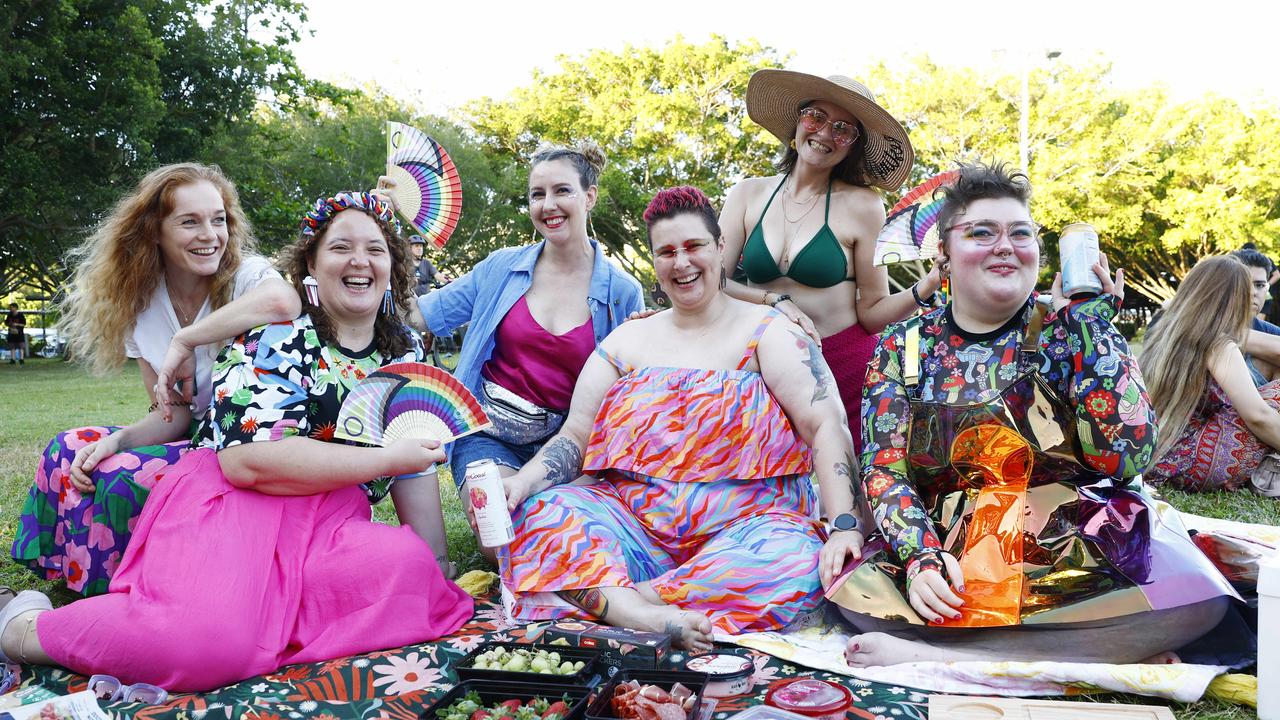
(1041, 536)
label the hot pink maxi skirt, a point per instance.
(220, 584)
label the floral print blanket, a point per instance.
(399, 684)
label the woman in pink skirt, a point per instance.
(257, 549)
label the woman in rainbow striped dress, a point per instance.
(707, 421)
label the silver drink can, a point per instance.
(488, 503)
(1078, 251)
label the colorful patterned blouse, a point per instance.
(694, 425)
(278, 381)
(1082, 356)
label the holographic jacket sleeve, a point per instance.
(886, 414)
(1087, 359)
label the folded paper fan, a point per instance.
(428, 192)
(911, 230)
(409, 400)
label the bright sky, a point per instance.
(444, 53)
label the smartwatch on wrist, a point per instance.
(843, 521)
(780, 298)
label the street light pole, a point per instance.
(1024, 112)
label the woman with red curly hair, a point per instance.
(701, 425)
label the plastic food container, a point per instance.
(588, 675)
(494, 692)
(766, 712)
(601, 708)
(811, 698)
(728, 674)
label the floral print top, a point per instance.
(1082, 356)
(278, 381)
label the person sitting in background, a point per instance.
(702, 424)
(1216, 426)
(1262, 345)
(1002, 443)
(258, 549)
(170, 269)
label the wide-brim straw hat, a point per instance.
(775, 97)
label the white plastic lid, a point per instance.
(767, 712)
(1269, 576)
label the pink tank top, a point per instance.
(534, 364)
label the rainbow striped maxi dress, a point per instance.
(704, 494)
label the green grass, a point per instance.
(44, 397)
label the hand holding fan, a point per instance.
(409, 400)
(911, 230)
(428, 192)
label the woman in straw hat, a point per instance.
(807, 235)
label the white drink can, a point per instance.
(488, 502)
(1078, 251)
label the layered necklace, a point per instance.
(792, 224)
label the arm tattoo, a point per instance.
(563, 461)
(817, 367)
(848, 469)
(589, 600)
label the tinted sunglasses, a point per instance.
(109, 689)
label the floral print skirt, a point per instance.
(81, 538)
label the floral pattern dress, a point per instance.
(1217, 450)
(1016, 458)
(272, 408)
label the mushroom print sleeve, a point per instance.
(886, 415)
(1089, 362)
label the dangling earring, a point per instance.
(313, 290)
(724, 278)
(659, 295)
(793, 143)
(388, 305)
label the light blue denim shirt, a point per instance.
(483, 296)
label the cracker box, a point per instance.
(619, 647)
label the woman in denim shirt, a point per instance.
(535, 313)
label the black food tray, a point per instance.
(588, 675)
(492, 692)
(600, 709)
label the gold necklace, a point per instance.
(784, 258)
(184, 319)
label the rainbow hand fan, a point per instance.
(428, 192)
(409, 400)
(911, 232)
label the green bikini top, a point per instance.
(819, 264)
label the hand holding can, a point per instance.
(488, 502)
(1078, 251)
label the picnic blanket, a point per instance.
(399, 684)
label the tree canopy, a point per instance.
(103, 90)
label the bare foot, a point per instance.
(689, 630)
(1168, 657)
(877, 649)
